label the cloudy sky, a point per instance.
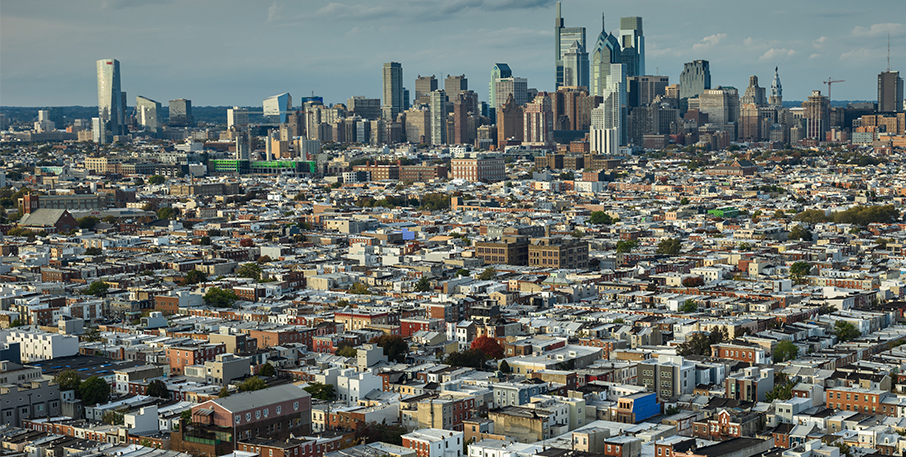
(238, 52)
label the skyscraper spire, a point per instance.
(776, 99)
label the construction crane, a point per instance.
(830, 82)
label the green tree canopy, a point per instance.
(253, 383)
(600, 218)
(68, 380)
(320, 391)
(157, 179)
(87, 222)
(800, 233)
(220, 298)
(267, 370)
(346, 350)
(97, 288)
(846, 331)
(669, 246)
(626, 246)
(799, 270)
(423, 285)
(158, 388)
(468, 358)
(785, 350)
(488, 274)
(94, 391)
(359, 288)
(249, 270)
(394, 346)
(689, 306)
(195, 277)
(504, 367)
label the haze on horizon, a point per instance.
(232, 52)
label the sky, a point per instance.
(238, 52)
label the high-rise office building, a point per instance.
(564, 37)
(367, 108)
(418, 125)
(575, 66)
(816, 115)
(695, 78)
(181, 113)
(606, 52)
(453, 85)
(776, 99)
(276, 107)
(890, 92)
(424, 85)
(464, 115)
(538, 120)
(644, 89)
(393, 90)
(509, 122)
(438, 108)
(99, 130)
(632, 44)
(148, 113)
(500, 70)
(608, 120)
(754, 93)
(721, 104)
(111, 103)
(518, 87)
(237, 117)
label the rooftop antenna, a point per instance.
(888, 52)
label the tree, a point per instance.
(395, 348)
(195, 277)
(689, 306)
(799, 270)
(87, 222)
(700, 344)
(600, 218)
(671, 411)
(267, 370)
(423, 285)
(846, 331)
(799, 233)
(811, 216)
(693, 281)
(264, 259)
(346, 350)
(669, 246)
(504, 367)
(112, 418)
(249, 270)
(785, 350)
(253, 383)
(94, 390)
(68, 380)
(488, 346)
(157, 179)
(462, 272)
(93, 251)
(204, 241)
(487, 274)
(224, 392)
(186, 416)
(468, 358)
(684, 201)
(220, 298)
(97, 288)
(374, 432)
(158, 388)
(167, 213)
(626, 246)
(359, 288)
(321, 391)
(781, 391)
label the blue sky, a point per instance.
(238, 52)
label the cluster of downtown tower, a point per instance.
(603, 100)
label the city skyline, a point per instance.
(464, 37)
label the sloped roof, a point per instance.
(42, 217)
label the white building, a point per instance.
(142, 421)
(432, 442)
(352, 385)
(34, 346)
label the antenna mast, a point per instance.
(888, 52)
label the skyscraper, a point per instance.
(538, 120)
(276, 107)
(111, 106)
(424, 85)
(237, 117)
(754, 93)
(607, 51)
(453, 85)
(890, 92)
(393, 90)
(367, 108)
(632, 42)
(816, 115)
(500, 70)
(608, 120)
(181, 113)
(148, 112)
(644, 89)
(438, 107)
(695, 78)
(99, 130)
(575, 66)
(564, 37)
(518, 87)
(776, 99)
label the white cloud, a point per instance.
(814, 56)
(709, 41)
(274, 12)
(819, 43)
(877, 30)
(774, 54)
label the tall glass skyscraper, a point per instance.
(633, 43)
(393, 90)
(111, 102)
(564, 37)
(148, 112)
(606, 52)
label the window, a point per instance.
(238, 418)
(296, 405)
(248, 417)
(279, 408)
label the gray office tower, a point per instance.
(111, 100)
(632, 40)
(181, 113)
(890, 92)
(695, 78)
(393, 90)
(564, 38)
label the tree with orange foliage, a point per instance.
(489, 346)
